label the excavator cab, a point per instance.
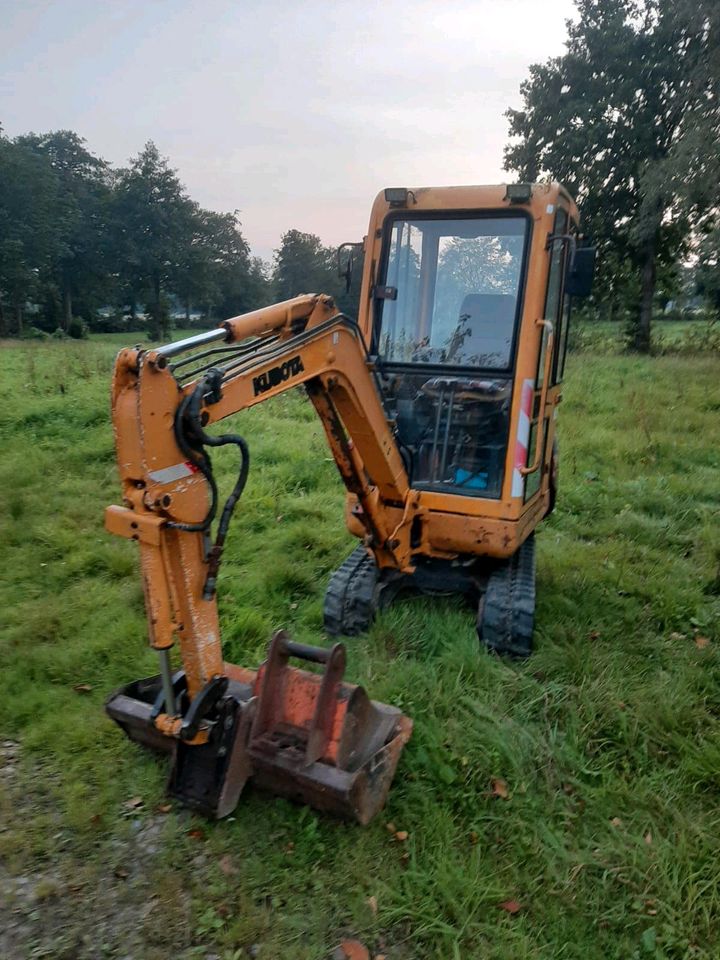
(438, 404)
(465, 302)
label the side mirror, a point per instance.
(579, 279)
(346, 254)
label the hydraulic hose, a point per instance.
(192, 440)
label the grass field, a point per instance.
(608, 738)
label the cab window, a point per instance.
(452, 291)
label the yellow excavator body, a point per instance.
(439, 405)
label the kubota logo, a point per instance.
(277, 375)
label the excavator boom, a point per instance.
(307, 736)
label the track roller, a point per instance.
(507, 610)
(352, 596)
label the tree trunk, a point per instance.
(3, 325)
(18, 319)
(187, 311)
(648, 276)
(160, 319)
(66, 308)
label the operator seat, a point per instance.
(487, 320)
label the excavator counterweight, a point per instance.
(438, 404)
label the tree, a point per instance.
(607, 118)
(303, 265)
(244, 290)
(707, 270)
(153, 217)
(30, 234)
(79, 269)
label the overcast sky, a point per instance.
(294, 113)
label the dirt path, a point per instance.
(117, 903)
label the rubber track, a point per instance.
(507, 617)
(350, 601)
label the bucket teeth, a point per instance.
(306, 736)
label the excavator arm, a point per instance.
(160, 412)
(163, 403)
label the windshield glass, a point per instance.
(455, 284)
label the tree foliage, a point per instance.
(617, 120)
(77, 236)
(80, 240)
(77, 269)
(303, 265)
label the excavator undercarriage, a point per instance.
(503, 592)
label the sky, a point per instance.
(293, 113)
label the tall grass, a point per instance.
(608, 738)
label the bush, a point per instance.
(34, 333)
(698, 338)
(77, 329)
(117, 322)
(595, 339)
(159, 323)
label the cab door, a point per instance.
(556, 314)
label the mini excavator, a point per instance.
(439, 406)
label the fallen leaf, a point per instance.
(134, 803)
(594, 634)
(499, 788)
(82, 688)
(473, 837)
(405, 858)
(390, 827)
(164, 807)
(701, 642)
(372, 903)
(379, 956)
(616, 822)
(677, 637)
(351, 950)
(648, 838)
(401, 835)
(121, 873)
(226, 865)
(621, 705)
(510, 906)
(196, 833)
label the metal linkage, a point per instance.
(180, 346)
(245, 349)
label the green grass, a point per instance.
(691, 336)
(608, 738)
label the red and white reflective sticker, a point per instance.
(523, 436)
(177, 472)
